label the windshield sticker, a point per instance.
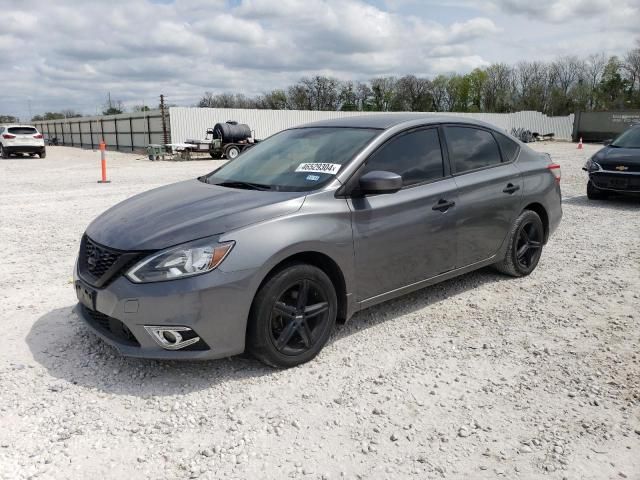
(328, 168)
(313, 178)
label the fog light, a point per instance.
(172, 338)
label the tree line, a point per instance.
(563, 86)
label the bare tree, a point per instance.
(594, 68)
(498, 88)
(384, 89)
(363, 95)
(438, 90)
(632, 68)
(412, 94)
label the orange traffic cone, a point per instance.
(103, 163)
(580, 144)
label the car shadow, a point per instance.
(614, 202)
(413, 302)
(23, 157)
(64, 345)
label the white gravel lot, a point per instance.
(482, 376)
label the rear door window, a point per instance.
(471, 148)
(22, 130)
(415, 156)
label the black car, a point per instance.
(616, 167)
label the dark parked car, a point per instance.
(311, 225)
(616, 167)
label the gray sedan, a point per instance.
(317, 222)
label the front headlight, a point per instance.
(591, 166)
(187, 260)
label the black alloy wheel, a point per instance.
(292, 316)
(299, 317)
(525, 242)
(529, 245)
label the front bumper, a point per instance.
(616, 181)
(215, 305)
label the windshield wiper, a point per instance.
(245, 185)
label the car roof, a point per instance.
(13, 125)
(385, 121)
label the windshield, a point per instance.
(629, 139)
(296, 160)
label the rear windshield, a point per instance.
(22, 130)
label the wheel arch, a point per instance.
(542, 213)
(325, 263)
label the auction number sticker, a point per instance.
(328, 168)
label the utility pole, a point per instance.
(165, 134)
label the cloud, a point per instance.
(559, 11)
(70, 53)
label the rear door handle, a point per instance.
(511, 188)
(443, 205)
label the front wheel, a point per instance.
(525, 245)
(292, 316)
(594, 193)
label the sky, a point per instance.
(69, 54)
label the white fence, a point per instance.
(187, 123)
(134, 131)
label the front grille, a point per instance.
(616, 182)
(98, 265)
(613, 167)
(99, 259)
(111, 327)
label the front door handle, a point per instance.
(511, 188)
(443, 205)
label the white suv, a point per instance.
(21, 139)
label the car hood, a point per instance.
(185, 211)
(613, 156)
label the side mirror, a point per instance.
(607, 142)
(380, 182)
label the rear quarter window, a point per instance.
(22, 130)
(509, 148)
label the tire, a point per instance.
(520, 261)
(43, 153)
(3, 152)
(232, 152)
(594, 193)
(279, 333)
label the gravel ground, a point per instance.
(479, 377)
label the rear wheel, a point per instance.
(43, 153)
(594, 193)
(292, 316)
(525, 245)
(3, 152)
